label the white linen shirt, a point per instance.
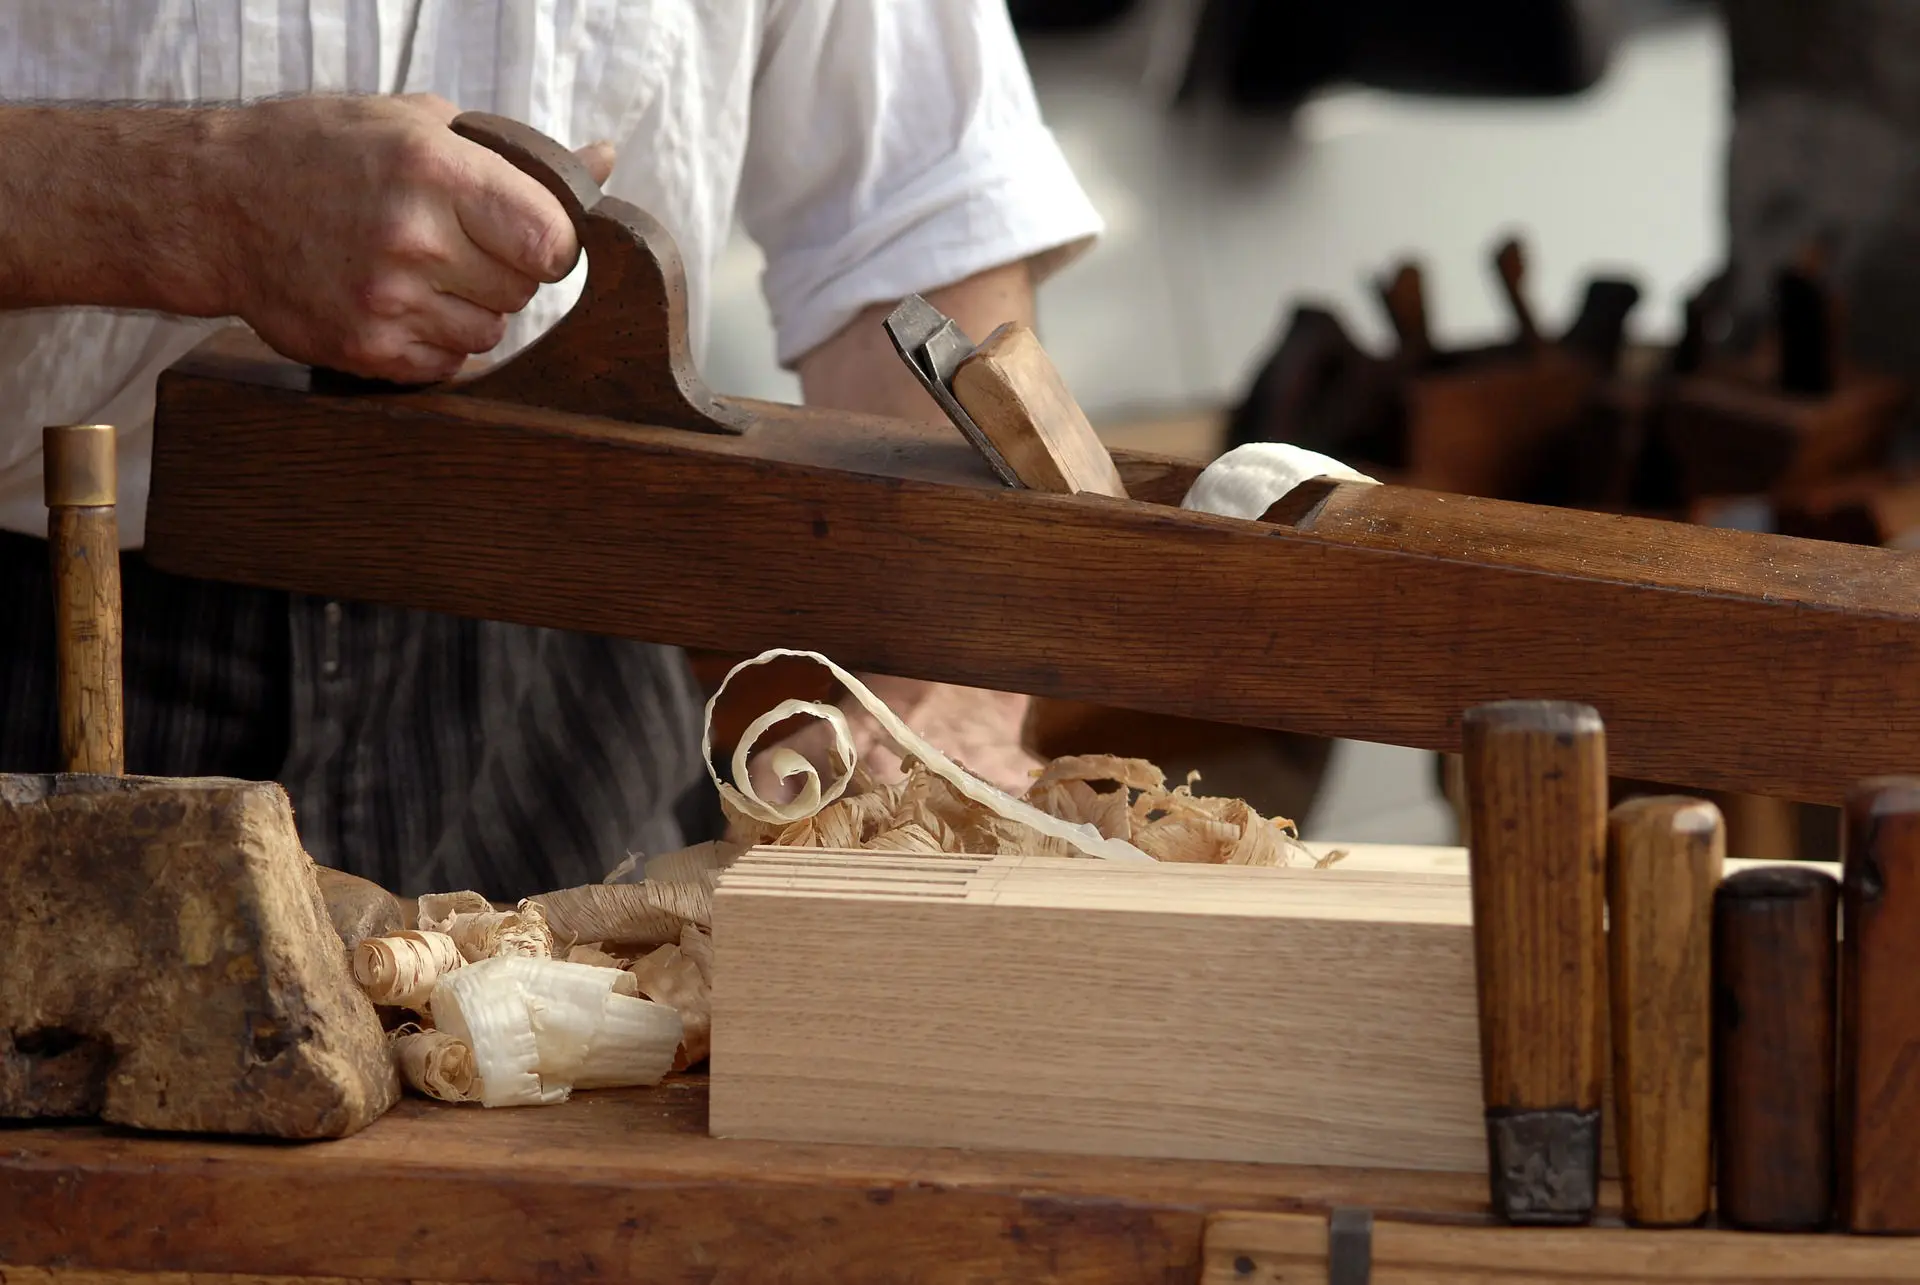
(872, 148)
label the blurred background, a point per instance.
(1705, 311)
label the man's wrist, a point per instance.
(119, 207)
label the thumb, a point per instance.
(598, 156)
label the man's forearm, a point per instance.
(858, 369)
(111, 206)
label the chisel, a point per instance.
(1536, 774)
(1773, 1038)
(1878, 1132)
(1663, 862)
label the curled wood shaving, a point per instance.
(624, 984)
(1178, 825)
(672, 975)
(435, 1063)
(676, 889)
(486, 934)
(1135, 774)
(401, 970)
(1078, 805)
(590, 953)
(1248, 480)
(813, 795)
(437, 909)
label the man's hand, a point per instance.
(372, 238)
(356, 233)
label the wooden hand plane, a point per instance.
(594, 483)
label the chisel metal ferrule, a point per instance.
(1545, 1165)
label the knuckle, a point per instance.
(423, 155)
(519, 293)
(412, 240)
(489, 332)
(551, 246)
(385, 298)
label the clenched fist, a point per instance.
(364, 235)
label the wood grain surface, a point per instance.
(1294, 1016)
(624, 344)
(1664, 859)
(1878, 1133)
(1291, 1249)
(1536, 775)
(85, 546)
(1773, 1057)
(1013, 391)
(624, 1185)
(893, 549)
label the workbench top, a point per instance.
(625, 1185)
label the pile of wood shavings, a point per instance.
(1124, 799)
(462, 930)
(1093, 806)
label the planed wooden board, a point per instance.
(1104, 1009)
(1317, 1017)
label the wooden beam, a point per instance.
(1717, 658)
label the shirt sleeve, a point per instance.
(896, 146)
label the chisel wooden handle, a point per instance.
(1510, 265)
(1405, 297)
(1663, 863)
(1773, 1029)
(84, 537)
(1878, 1134)
(1015, 394)
(1536, 776)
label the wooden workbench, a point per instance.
(627, 1186)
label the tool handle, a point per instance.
(1878, 1131)
(83, 537)
(1405, 298)
(1773, 1031)
(1013, 392)
(1510, 264)
(1536, 775)
(622, 352)
(1664, 857)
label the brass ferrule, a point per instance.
(80, 466)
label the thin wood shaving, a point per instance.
(487, 934)
(401, 970)
(1079, 805)
(437, 909)
(435, 1063)
(812, 796)
(676, 890)
(679, 976)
